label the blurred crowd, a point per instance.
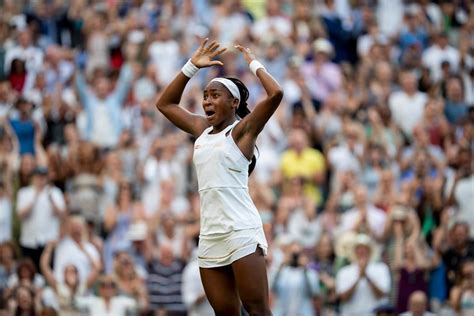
(364, 178)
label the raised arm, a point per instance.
(44, 265)
(168, 103)
(254, 122)
(123, 83)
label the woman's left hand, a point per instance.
(248, 55)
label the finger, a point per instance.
(211, 45)
(214, 48)
(217, 63)
(203, 44)
(239, 47)
(220, 51)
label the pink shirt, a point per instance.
(322, 82)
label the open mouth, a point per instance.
(210, 114)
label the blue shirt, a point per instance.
(25, 132)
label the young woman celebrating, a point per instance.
(232, 244)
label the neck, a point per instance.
(220, 127)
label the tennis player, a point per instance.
(232, 244)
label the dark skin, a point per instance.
(245, 279)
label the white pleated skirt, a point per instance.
(222, 249)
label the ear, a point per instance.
(235, 103)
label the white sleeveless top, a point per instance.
(222, 174)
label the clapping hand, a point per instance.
(204, 55)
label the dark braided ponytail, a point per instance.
(243, 110)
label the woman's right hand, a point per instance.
(203, 56)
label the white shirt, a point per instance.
(5, 219)
(305, 231)
(389, 16)
(464, 196)
(119, 305)
(407, 111)
(222, 173)
(68, 252)
(273, 25)
(165, 56)
(363, 301)
(103, 132)
(375, 218)
(343, 159)
(294, 289)
(41, 226)
(32, 56)
(434, 55)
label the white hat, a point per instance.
(365, 240)
(322, 45)
(137, 231)
(344, 244)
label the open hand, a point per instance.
(248, 55)
(203, 56)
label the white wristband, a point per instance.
(189, 69)
(255, 65)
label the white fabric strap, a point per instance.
(231, 86)
(255, 65)
(189, 69)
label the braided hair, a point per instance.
(243, 110)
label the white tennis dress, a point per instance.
(231, 227)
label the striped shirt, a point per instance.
(164, 285)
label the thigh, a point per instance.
(221, 290)
(252, 283)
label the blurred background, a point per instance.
(364, 179)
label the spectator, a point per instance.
(164, 282)
(461, 248)
(5, 213)
(25, 51)
(455, 108)
(462, 294)
(26, 273)
(108, 302)
(407, 105)
(18, 75)
(300, 160)
(129, 283)
(274, 23)
(74, 249)
(294, 285)
(117, 220)
(8, 263)
(322, 76)
(102, 107)
(440, 51)
(364, 217)
(41, 209)
(410, 266)
(25, 128)
(324, 264)
(70, 287)
(24, 301)
(460, 194)
(363, 285)
(417, 305)
(164, 54)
